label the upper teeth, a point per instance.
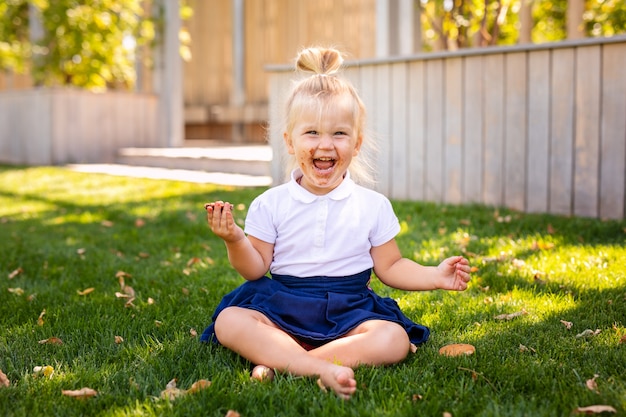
(325, 159)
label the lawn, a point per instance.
(106, 283)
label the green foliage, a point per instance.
(14, 45)
(605, 17)
(69, 231)
(90, 44)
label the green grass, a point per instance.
(69, 232)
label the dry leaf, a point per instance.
(85, 291)
(457, 349)
(171, 392)
(623, 339)
(51, 341)
(567, 324)
(589, 333)
(119, 339)
(16, 272)
(4, 380)
(523, 348)
(447, 414)
(40, 318)
(140, 223)
(144, 255)
(193, 333)
(47, 371)
(596, 409)
(81, 251)
(150, 300)
(16, 291)
(198, 386)
(106, 223)
(321, 385)
(80, 393)
(232, 413)
(510, 316)
(193, 261)
(416, 397)
(122, 274)
(592, 384)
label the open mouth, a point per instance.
(324, 164)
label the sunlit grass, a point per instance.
(555, 277)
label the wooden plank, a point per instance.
(453, 131)
(37, 140)
(416, 149)
(538, 132)
(382, 120)
(371, 143)
(613, 133)
(587, 138)
(399, 142)
(561, 177)
(494, 130)
(473, 121)
(515, 134)
(434, 184)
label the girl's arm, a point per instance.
(250, 256)
(402, 273)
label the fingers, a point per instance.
(219, 215)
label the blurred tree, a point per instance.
(454, 24)
(86, 43)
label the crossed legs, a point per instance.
(253, 336)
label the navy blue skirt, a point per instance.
(317, 310)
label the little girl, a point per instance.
(320, 235)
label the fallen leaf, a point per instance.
(85, 291)
(447, 414)
(623, 339)
(80, 393)
(4, 380)
(193, 332)
(511, 315)
(16, 272)
(46, 371)
(589, 333)
(106, 223)
(321, 385)
(16, 291)
(193, 261)
(592, 384)
(122, 274)
(140, 223)
(416, 397)
(523, 348)
(150, 300)
(596, 409)
(40, 318)
(567, 324)
(81, 251)
(457, 349)
(474, 269)
(51, 341)
(171, 392)
(232, 413)
(119, 339)
(518, 263)
(198, 386)
(144, 255)
(550, 229)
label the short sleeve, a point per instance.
(259, 221)
(387, 225)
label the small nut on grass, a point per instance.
(457, 349)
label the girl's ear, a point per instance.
(288, 143)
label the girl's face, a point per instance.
(323, 143)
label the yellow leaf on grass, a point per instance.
(16, 291)
(46, 371)
(85, 291)
(40, 318)
(199, 385)
(80, 393)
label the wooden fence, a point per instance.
(538, 128)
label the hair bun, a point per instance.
(322, 61)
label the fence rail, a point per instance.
(538, 128)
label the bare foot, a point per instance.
(262, 373)
(340, 379)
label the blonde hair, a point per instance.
(315, 91)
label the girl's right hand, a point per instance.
(221, 221)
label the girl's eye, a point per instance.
(312, 132)
(340, 133)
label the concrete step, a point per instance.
(254, 160)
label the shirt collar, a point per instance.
(299, 193)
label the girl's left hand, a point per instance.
(456, 273)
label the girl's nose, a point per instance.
(326, 141)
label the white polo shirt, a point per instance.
(328, 235)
